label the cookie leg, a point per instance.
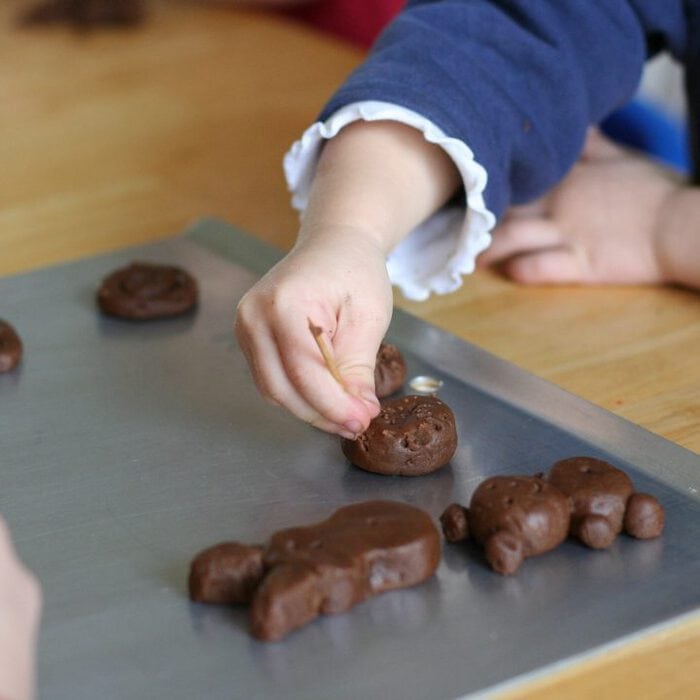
(289, 597)
(504, 552)
(595, 531)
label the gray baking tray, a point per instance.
(128, 447)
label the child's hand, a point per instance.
(20, 604)
(603, 224)
(339, 282)
(375, 181)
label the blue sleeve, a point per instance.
(519, 81)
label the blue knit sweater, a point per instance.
(520, 81)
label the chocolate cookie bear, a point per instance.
(323, 569)
(604, 502)
(512, 518)
(411, 436)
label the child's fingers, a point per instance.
(270, 377)
(560, 265)
(520, 236)
(26, 587)
(355, 345)
(305, 369)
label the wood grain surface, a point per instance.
(122, 137)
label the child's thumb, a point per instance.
(356, 361)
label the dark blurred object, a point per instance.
(86, 14)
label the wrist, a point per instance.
(344, 237)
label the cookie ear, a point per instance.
(504, 552)
(644, 517)
(455, 523)
(595, 531)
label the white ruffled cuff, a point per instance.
(435, 255)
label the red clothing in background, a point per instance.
(359, 21)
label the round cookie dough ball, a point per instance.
(143, 291)
(411, 436)
(10, 347)
(389, 370)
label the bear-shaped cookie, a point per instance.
(512, 518)
(327, 568)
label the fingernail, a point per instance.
(353, 426)
(347, 435)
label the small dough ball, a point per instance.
(455, 523)
(645, 516)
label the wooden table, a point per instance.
(122, 137)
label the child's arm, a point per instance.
(375, 182)
(617, 218)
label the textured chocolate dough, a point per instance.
(143, 291)
(411, 436)
(327, 568)
(389, 370)
(226, 573)
(10, 347)
(86, 14)
(515, 517)
(600, 494)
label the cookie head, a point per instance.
(514, 517)
(598, 493)
(389, 370)
(411, 436)
(10, 347)
(143, 291)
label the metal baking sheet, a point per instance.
(127, 448)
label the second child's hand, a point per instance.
(617, 218)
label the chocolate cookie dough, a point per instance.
(10, 347)
(455, 523)
(143, 291)
(86, 14)
(603, 502)
(411, 436)
(644, 517)
(322, 569)
(226, 573)
(515, 517)
(327, 568)
(389, 370)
